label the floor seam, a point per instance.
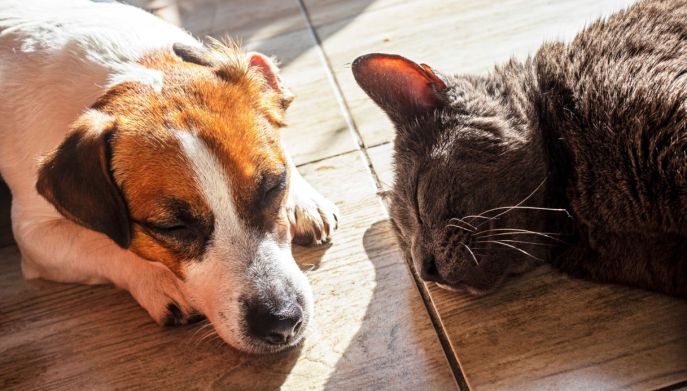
(452, 359)
(338, 93)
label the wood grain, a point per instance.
(257, 19)
(316, 126)
(371, 328)
(196, 16)
(328, 11)
(277, 29)
(372, 331)
(545, 330)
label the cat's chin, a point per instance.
(448, 287)
(463, 289)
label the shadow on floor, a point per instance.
(56, 335)
(246, 21)
(392, 352)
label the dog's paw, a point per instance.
(159, 292)
(313, 218)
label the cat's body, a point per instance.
(597, 128)
(615, 103)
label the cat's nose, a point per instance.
(428, 269)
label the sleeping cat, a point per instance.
(576, 156)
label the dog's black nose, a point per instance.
(275, 326)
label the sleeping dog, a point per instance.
(140, 157)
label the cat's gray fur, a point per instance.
(597, 127)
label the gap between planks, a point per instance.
(449, 354)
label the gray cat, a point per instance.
(576, 156)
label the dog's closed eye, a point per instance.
(171, 230)
(178, 230)
(271, 187)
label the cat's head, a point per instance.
(463, 158)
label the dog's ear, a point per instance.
(267, 67)
(270, 72)
(77, 180)
(199, 55)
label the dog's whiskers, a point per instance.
(208, 337)
(202, 328)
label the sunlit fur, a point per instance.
(177, 131)
(574, 156)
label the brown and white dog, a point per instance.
(140, 157)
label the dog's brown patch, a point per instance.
(230, 107)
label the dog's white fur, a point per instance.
(56, 58)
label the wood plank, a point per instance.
(257, 19)
(193, 15)
(455, 36)
(548, 331)
(328, 11)
(242, 20)
(371, 328)
(315, 115)
(382, 162)
(316, 126)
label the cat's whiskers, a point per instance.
(458, 226)
(513, 231)
(471, 253)
(508, 208)
(462, 220)
(514, 248)
(477, 217)
(511, 208)
(520, 241)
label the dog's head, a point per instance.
(193, 175)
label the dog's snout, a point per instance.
(276, 326)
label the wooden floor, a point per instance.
(376, 326)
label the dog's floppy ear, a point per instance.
(201, 55)
(76, 179)
(270, 72)
(399, 86)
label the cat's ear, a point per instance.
(399, 86)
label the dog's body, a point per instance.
(104, 120)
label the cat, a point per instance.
(576, 156)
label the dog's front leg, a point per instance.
(313, 218)
(60, 250)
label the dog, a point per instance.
(139, 156)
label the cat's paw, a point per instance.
(159, 292)
(313, 218)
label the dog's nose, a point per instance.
(275, 326)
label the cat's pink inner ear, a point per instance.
(394, 80)
(271, 73)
